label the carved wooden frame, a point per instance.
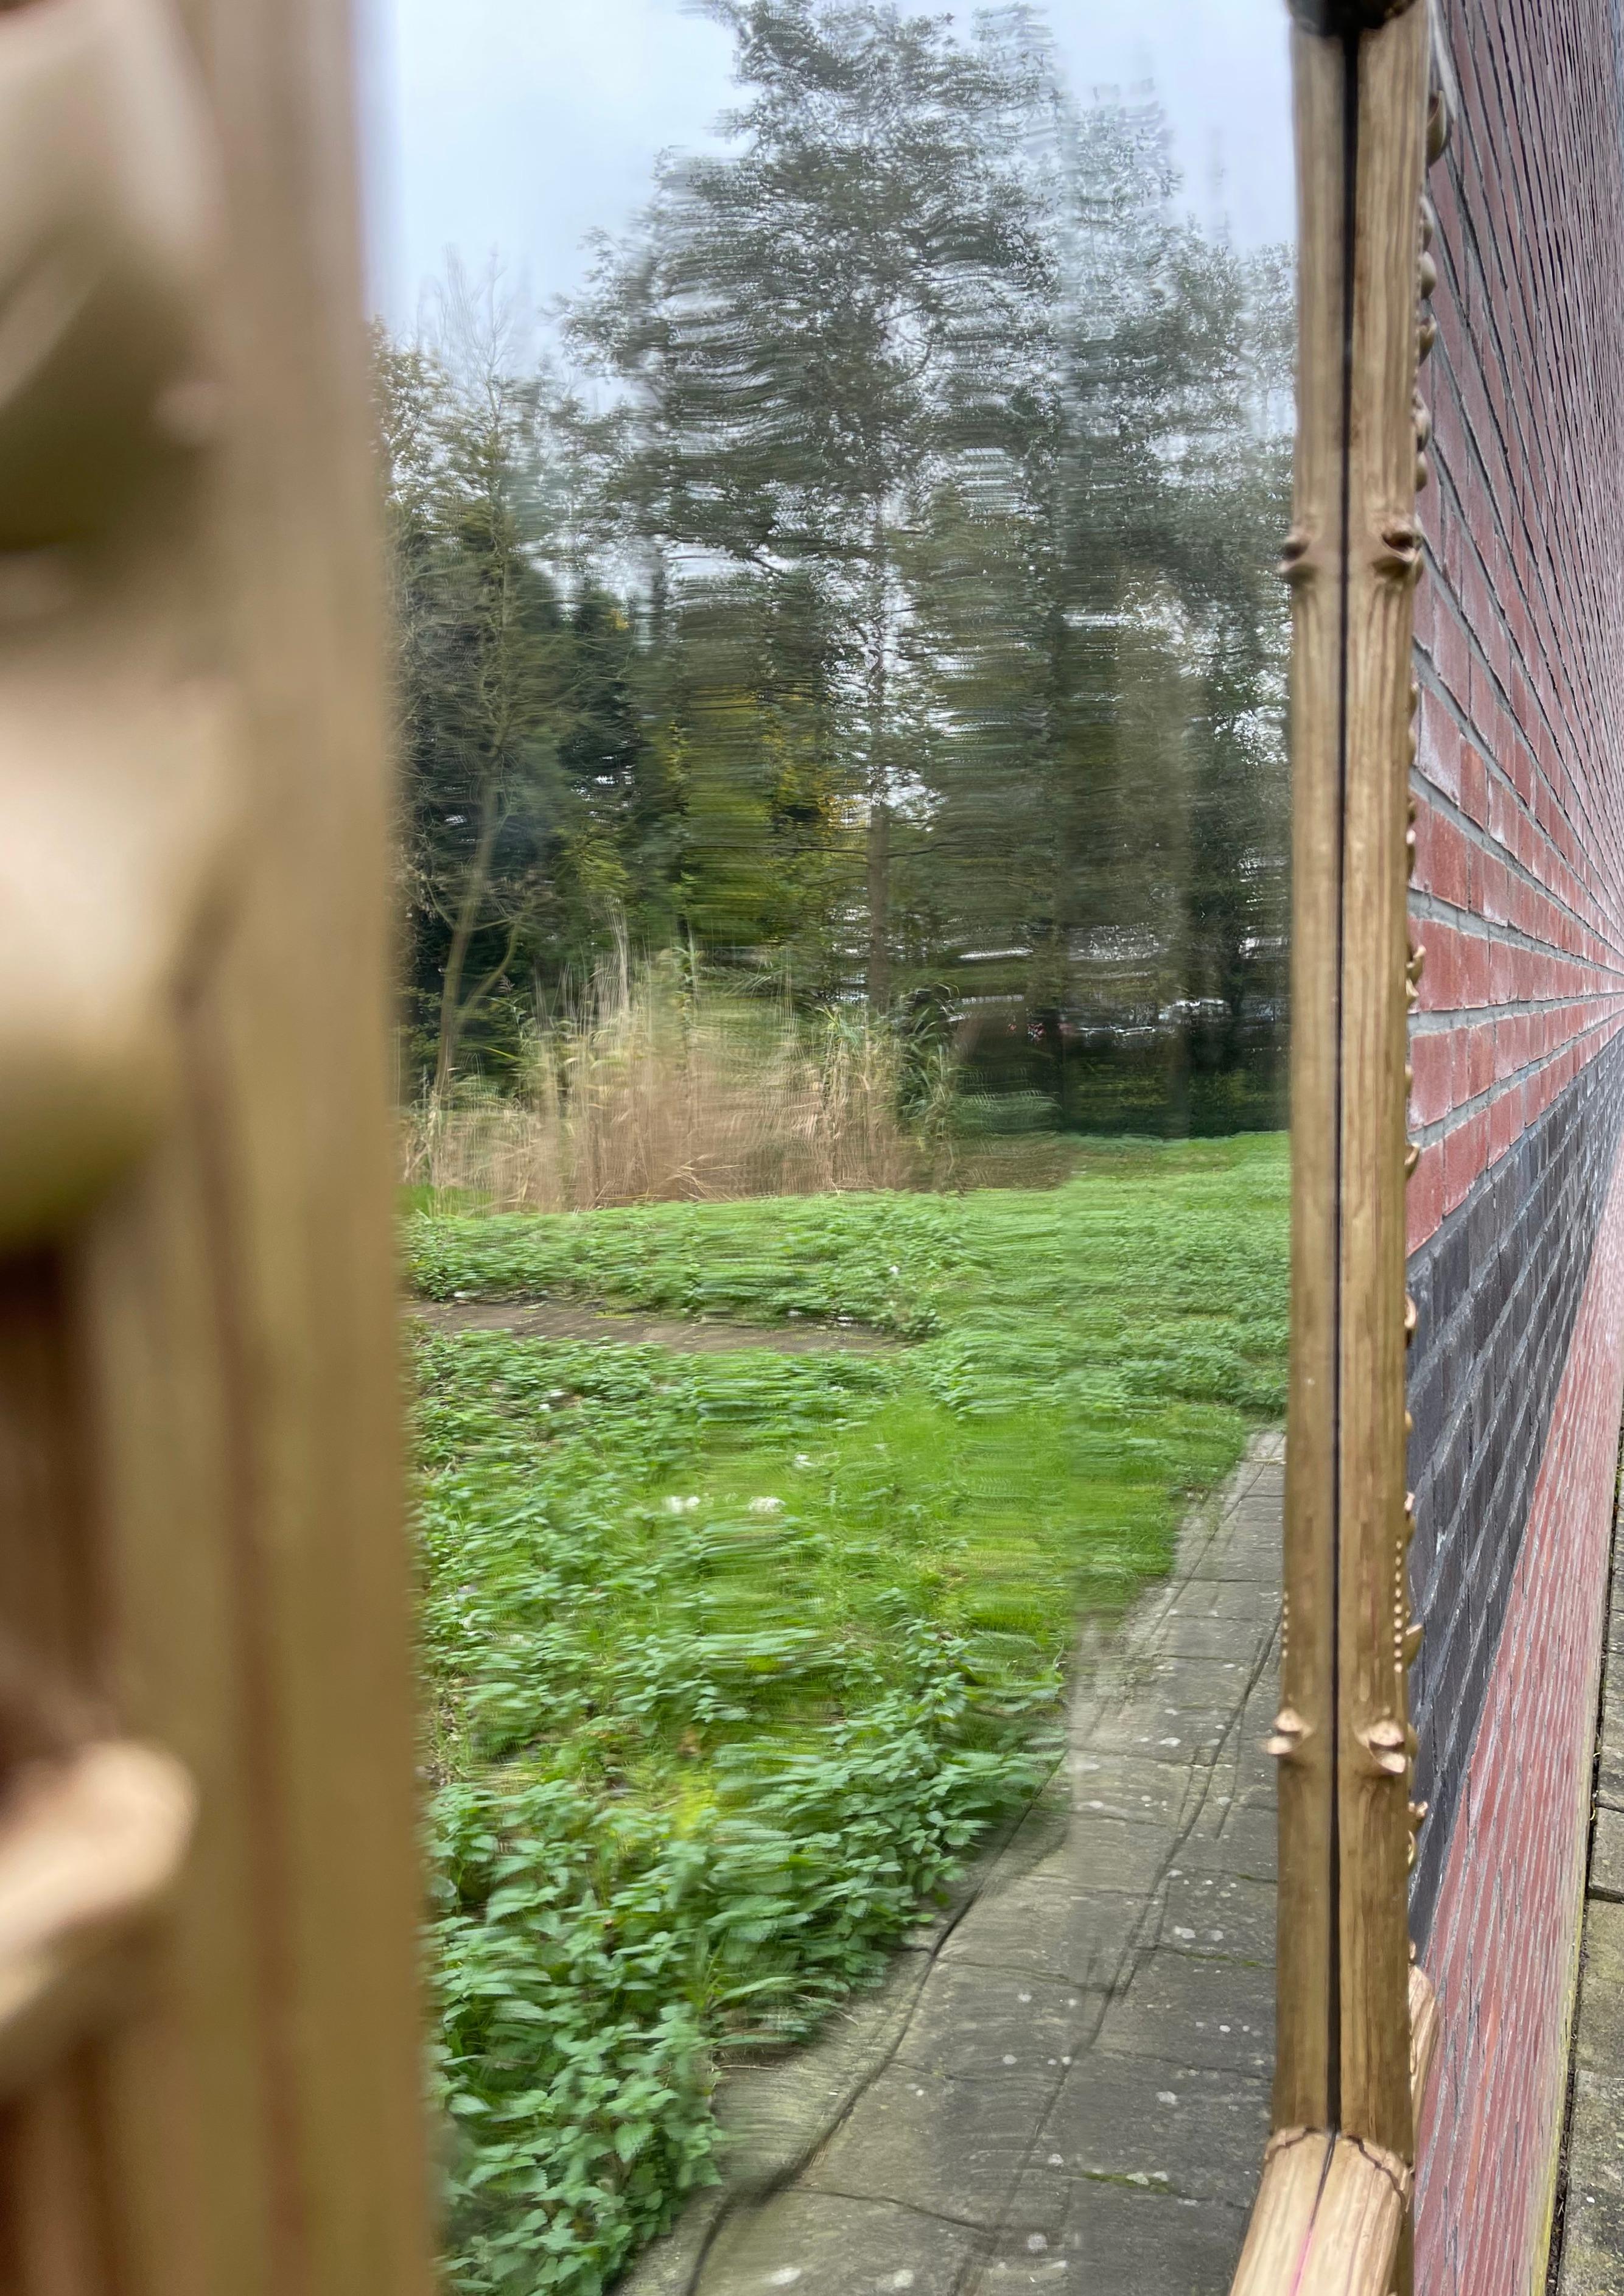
(1356, 2020)
(210, 2047)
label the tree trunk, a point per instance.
(452, 1011)
(879, 978)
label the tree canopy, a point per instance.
(889, 604)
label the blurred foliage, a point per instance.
(664, 1081)
(889, 604)
(731, 1656)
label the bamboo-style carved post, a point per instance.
(1355, 2020)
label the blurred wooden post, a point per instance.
(209, 2042)
(1348, 2079)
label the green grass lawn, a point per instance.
(731, 1656)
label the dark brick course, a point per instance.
(1497, 1289)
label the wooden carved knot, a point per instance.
(1399, 556)
(108, 243)
(1426, 336)
(1299, 561)
(1417, 1816)
(1424, 432)
(1384, 1746)
(1426, 279)
(93, 1834)
(118, 778)
(1289, 1736)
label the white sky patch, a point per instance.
(517, 127)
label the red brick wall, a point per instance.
(1520, 621)
(1517, 1208)
(1506, 1935)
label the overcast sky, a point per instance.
(517, 125)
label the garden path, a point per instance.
(1065, 2085)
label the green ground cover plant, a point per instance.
(731, 1656)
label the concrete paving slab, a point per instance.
(952, 2148)
(1245, 1847)
(1610, 1764)
(973, 2022)
(1197, 2130)
(1220, 1913)
(1599, 2037)
(1197, 1685)
(1131, 1786)
(1149, 1733)
(1592, 2215)
(1120, 2240)
(1592, 2237)
(1244, 1599)
(804, 2240)
(1189, 1634)
(1122, 1854)
(1607, 1855)
(1040, 1928)
(1218, 2015)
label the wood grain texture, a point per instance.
(1384, 557)
(1355, 2026)
(1328, 2219)
(1353, 2249)
(1313, 565)
(1423, 2036)
(1342, 2054)
(202, 1533)
(1282, 2222)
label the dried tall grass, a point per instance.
(655, 1089)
